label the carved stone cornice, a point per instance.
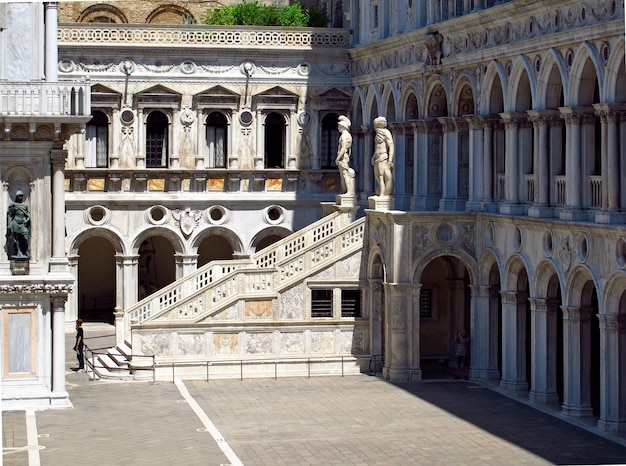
(37, 288)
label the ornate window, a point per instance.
(329, 141)
(217, 140)
(274, 141)
(156, 140)
(97, 133)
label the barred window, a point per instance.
(351, 303)
(321, 303)
(426, 303)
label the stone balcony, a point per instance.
(43, 102)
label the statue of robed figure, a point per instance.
(18, 228)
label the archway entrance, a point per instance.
(156, 265)
(96, 280)
(444, 309)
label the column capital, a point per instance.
(58, 157)
(613, 322)
(577, 313)
(475, 122)
(58, 302)
(576, 114)
(513, 119)
(538, 304)
(448, 124)
(543, 117)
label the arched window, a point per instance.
(97, 132)
(274, 141)
(216, 140)
(329, 141)
(156, 140)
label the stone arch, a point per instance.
(271, 234)
(614, 295)
(389, 100)
(615, 77)
(463, 101)
(488, 259)
(522, 85)
(102, 13)
(466, 259)
(168, 14)
(358, 104)
(409, 106)
(105, 231)
(551, 82)
(436, 100)
(494, 91)
(162, 231)
(577, 288)
(217, 230)
(585, 73)
(542, 286)
(372, 103)
(514, 267)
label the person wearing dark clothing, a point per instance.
(462, 354)
(78, 347)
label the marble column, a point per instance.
(573, 164)
(576, 362)
(484, 333)
(476, 154)
(185, 264)
(127, 279)
(57, 303)
(512, 174)
(415, 370)
(398, 317)
(613, 373)
(541, 120)
(368, 173)
(58, 261)
(513, 338)
(543, 352)
(488, 165)
(609, 117)
(51, 67)
(450, 152)
(141, 139)
(420, 177)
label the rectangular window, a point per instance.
(351, 303)
(426, 303)
(321, 303)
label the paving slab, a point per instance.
(355, 420)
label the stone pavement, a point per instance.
(355, 420)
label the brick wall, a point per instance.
(156, 12)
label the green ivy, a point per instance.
(254, 14)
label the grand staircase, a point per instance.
(215, 287)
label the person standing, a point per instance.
(78, 347)
(462, 354)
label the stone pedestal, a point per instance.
(381, 202)
(20, 265)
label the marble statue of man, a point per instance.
(344, 153)
(382, 160)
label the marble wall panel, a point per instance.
(190, 344)
(260, 343)
(322, 342)
(225, 344)
(292, 303)
(292, 343)
(158, 344)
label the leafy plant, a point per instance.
(254, 14)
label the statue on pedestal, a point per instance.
(382, 160)
(18, 228)
(344, 153)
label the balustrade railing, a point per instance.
(219, 284)
(45, 99)
(559, 182)
(203, 36)
(596, 191)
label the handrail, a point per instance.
(247, 362)
(45, 99)
(306, 259)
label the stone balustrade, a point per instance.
(202, 36)
(41, 99)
